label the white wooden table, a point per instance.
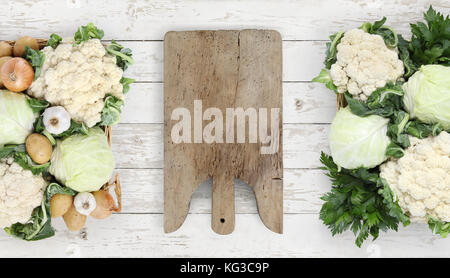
(138, 144)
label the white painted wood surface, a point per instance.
(308, 110)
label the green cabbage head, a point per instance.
(16, 118)
(427, 95)
(83, 162)
(358, 141)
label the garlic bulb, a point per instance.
(85, 203)
(56, 119)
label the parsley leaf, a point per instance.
(358, 201)
(430, 42)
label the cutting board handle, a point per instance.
(223, 218)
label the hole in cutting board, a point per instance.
(222, 220)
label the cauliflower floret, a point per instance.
(20, 193)
(364, 63)
(78, 78)
(420, 179)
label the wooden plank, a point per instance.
(141, 235)
(141, 145)
(139, 20)
(143, 192)
(302, 60)
(223, 70)
(302, 103)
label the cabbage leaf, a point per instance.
(16, 118)
(83, 162)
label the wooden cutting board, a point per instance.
(222, 69)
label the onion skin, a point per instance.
(105, 204)
(2, 61)
(17, 75)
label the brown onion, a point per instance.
(105, 204)
(17, 74)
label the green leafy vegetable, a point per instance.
(36, 59)
(358, 201)
(439, 227)
(54, 40)
(325, 78)
(390, 202)
(123, 55)
(9, 150)
(430, 42)
(39, 227)
(24, 160)
(378, 28)
(83, 162)
(37, 105)
(85, 33)
(358, 141)
(397, 127)
(331, 51)
(422, 130)
(126, 84)
(427, 96)
(111, 111)
(382, 102)
(16, 118)
(75, 128)
(404, 55)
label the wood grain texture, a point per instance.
(308, 108)
(303, 103)
(302, 60)
(222, 69)
(150, 20)
(141, 235)
(144, 192)
(141, 145)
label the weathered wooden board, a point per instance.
(303, 103)
(149, 60)
(144, 192)
(223, 70)
(138, 232)
(131, 141)
(141, 235)
(150, 20)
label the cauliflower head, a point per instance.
(420, 179)
(20, 193)
(78, 78)
(364, 63)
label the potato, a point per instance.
(2, 61)
(5, 49)
(60, 204)
(38, 148)
(19, 46)
(73, 219)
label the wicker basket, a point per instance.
(108, 132)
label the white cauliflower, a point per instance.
(420, 179)
(78, 78)
(20, 193)
(364, 63)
